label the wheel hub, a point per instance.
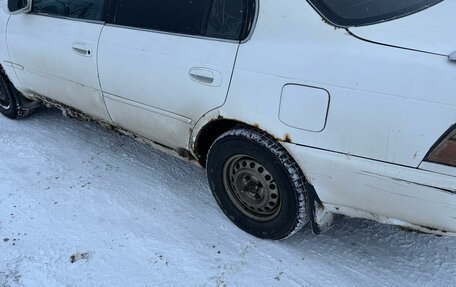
(251, 188)
(251, 185)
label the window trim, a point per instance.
(67, 18)
(105, 13)
(341, 22)
(252, 20)
(170, 33)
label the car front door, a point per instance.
(54, 52)
(164, 64)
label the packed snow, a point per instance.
(83, 206)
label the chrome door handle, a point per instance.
(82, 49)
(206, 76)
(452, 56)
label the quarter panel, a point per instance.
(387, 104)
(431, 30)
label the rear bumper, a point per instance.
(384, 192)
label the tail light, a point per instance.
(444, 151)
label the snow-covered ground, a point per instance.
(83, 206)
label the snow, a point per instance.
(128, 215)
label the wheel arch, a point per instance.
(209, 133)
(207, 130)
(213, 125)
(25, 105)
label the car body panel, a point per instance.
(4, 56)
(54, 69)
(432, 30)
(387, 192)
(165, 80)
(383, 101)
(438, 168)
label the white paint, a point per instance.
(4, 56)
(153, 68)
(453, 56)
(53, 69)
(431, 30)
(438, 168)
(149, 122)
(304, 108)
(414, 196)
(206, 76)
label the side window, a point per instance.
(78, 9)
(176, 16)
(223, 19)
(226, 19)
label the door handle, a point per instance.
(452, 56)
(82, 49)
(206, 76)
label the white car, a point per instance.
(298, 109)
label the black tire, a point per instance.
(246, 168)
(10, 101)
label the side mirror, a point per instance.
(14, 7)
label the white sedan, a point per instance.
(299, 110)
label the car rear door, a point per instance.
(54, 52)
(164, 64)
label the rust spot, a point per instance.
(257, 126)
(331, 24)
(182, 152)
(287, 138)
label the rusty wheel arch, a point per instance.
(215, 128)
(209, 134)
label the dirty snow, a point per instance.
(84, 206)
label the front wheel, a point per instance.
(257, 184)
(8, 106)
(12, 103)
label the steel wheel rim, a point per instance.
(5, 100)
(252, 188)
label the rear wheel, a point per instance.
(257, 184)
